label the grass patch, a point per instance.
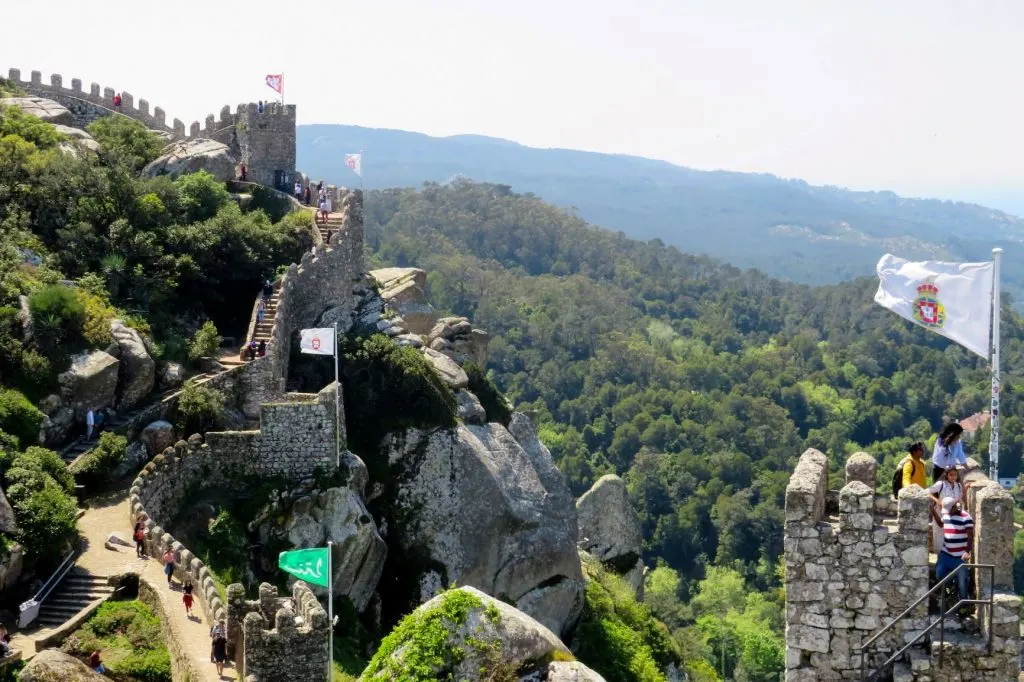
(127, 635)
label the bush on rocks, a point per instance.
(19, 417)
(95, 467)
(204, 343)
(488, 394)
(199, 408)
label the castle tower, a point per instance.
(266, 143)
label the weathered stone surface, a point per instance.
(11, 567)
(517, 640)
(409, 340)
(338, 515)
(45, 109)
(158, 436)
(8, 524)
(172, 375)
(476, 504)
(861, 467)
(571, 671)
(138, 371)
(191, 156)
(470, 409)
(116, 538)
(90, 383)
(358, 474)
(57, 424)
(53, 665)
(135, 457)
(609, 526)
(82, 138)
(390, 277)
(456, 337)
(452, 374)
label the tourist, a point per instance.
(948, 486)
(261, 310)
(259, 106)
(263, 348)
(218, 630)
(268, 290)
(220, 650)
(241, 171)
(187, 597)
(323, 209)
(139, 535)
(307, 197)
(298, 191)
(913, 466)
(96, 664)
(330, 203)
(957, 538)
(90, 423)
(168, 560)
(949, 451)
(117, 103)
(320, 186)
(252, 349)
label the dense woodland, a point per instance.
(697, 382)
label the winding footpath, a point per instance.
(110, 514)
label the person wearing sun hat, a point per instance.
(957, 538)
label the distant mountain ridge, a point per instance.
(785, 228)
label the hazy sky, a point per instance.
(922, 97)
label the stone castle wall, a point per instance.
(849, 575)
(276, 638)
(266, 143)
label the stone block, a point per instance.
(808, 638)
(861, 467)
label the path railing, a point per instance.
(940, 621)
(29, 610)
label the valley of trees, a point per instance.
(697, 382)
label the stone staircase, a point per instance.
(265, 329)
(78, 591)
(331, 227)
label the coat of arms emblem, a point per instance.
(928, 311)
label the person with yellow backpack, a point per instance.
(910, 470)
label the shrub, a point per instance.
(49, 463)
(205, 342)
(199, 408)
(19, 417)
(270, 202)
(390, 388)
(96, 325)
(40, 133)
(57, 315)
(125, 140)
(46, 519)
(202, 195)
(494, 403)
(227, 542)
(94, 467)
(129, 636)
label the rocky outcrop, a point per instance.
(53, 665)
(456, 338)
(77, 140)
(452, 374)
(571, 671)
(8, 524)
(157, 436)
(338, 515)
(11, 566)
(90, 383)
(404, 292)
(45, 109)
(609, 527)
(57, 422)
(482, 512)
(470, 409)
(138, 371)
(172, 375)
(481, 634)
(191, 156)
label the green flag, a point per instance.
(306, 564)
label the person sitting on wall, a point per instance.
(252, 349)
(948, 452)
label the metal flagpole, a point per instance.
(330, 611)
(993, 443)
(337, 403)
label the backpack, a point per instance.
(897, 478)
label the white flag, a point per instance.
(317, 341)
(355, 162)
(951, 299)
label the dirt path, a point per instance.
(109, 514)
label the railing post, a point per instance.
(942, 621)
(991, 607)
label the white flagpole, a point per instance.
(337, 403)
(993, 443)
(330, 611)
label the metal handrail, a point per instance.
(57, 576)
(862, 650)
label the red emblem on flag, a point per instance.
(316, 343)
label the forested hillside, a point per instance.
(697, 382)
(784, 227)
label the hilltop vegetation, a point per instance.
(786, 228)
(697, 382)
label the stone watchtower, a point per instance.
(853, 568)
(266, 143)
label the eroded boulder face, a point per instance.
(191, 156)
(478, 510)
(481, 636)
(404, 292)
(45, 109)
(53, 665)
(571, 671)
(138, 370)
(90, 383)
(609, 526)
(338, 515)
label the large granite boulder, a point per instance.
(8, 524)
(339, 515)
(11, 566)
(45, 109)
(448, 370)
(482, 636)
(482, 511)
(191, 156)
(57, 422)
(138, 370)
(53, 665)
(404, 292)
(456, 337)
(157, 436)
(609, 526)
(571, 671)
(77, 140)
(90, 383)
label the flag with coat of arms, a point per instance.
(276, 82)
(355, 163)
(950, 299)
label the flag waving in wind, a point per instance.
(311, 565)
(355, 163)
(276, 82)
(317, 341)
(951, 299)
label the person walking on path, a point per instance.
(218, 630)
(90, 423)
(139, 535)
(261, 310)
(168, 561)
(949, 451)
(220, 648)
(957, 538)
(307, 197)
(117, 103)
(187, 597)
(298, 191)
(268, 291)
